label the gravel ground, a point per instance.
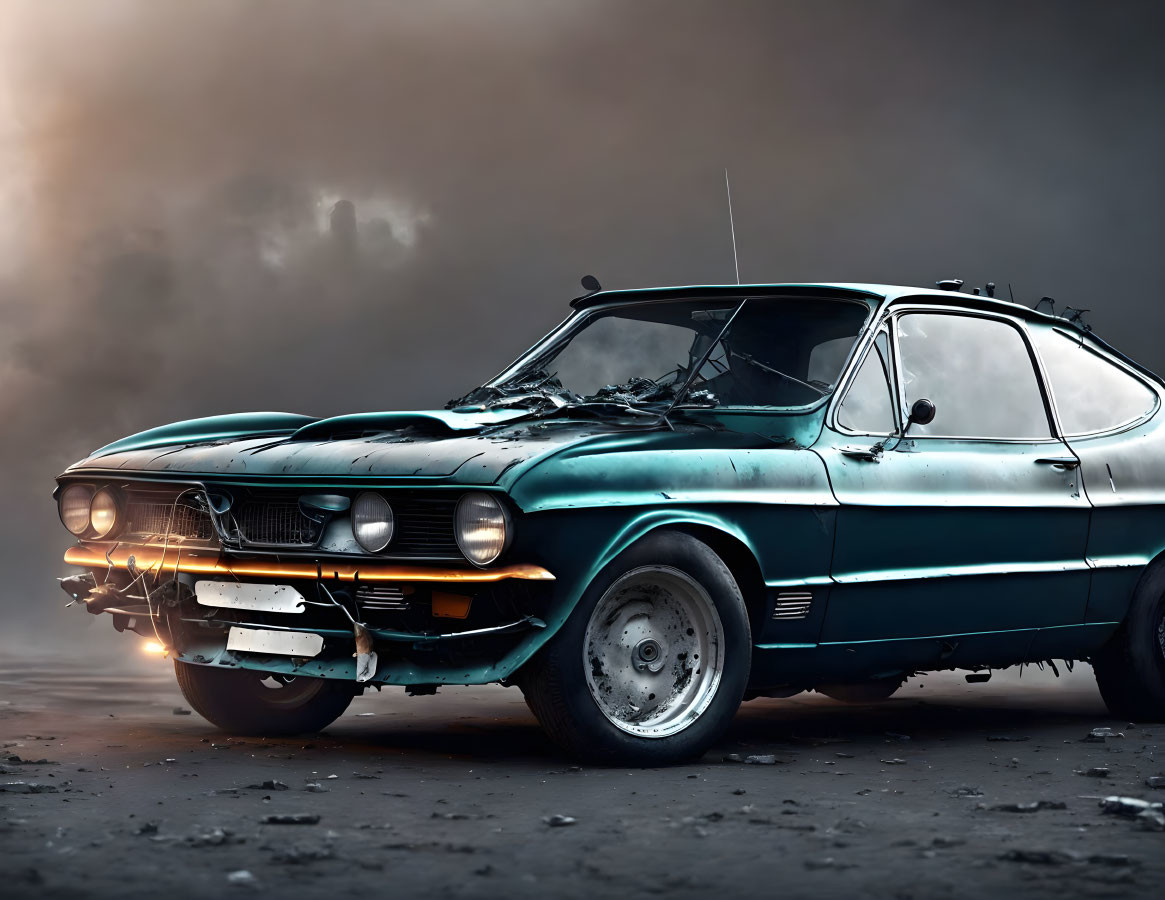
(948, 790)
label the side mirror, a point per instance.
(921, 413)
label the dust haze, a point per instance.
(329, 207)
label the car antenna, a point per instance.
(732, 225)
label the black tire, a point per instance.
(1130, 668)
(238, 701)
(555, 682)
(863, 691)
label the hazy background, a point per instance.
(170, 244)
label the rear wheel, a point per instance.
(242, 701)
(863, 691)
(652, 664)
(1130, 669)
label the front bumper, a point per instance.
(151, 592)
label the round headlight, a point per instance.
(74, 506)
(103, 512)
(372, 522)
(481, 528)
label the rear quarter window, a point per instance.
(1092, 393)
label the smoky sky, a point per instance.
(330, 207)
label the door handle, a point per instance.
(865, 454)
(1059, 462)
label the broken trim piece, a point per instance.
(211, 563)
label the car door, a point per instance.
(1110, 416)
(970, 532)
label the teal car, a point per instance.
(679, 499)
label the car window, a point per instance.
(1092, 394)
(868, 406)
(976, 371)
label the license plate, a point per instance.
(277, 598)
(280, 643)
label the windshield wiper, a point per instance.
(694, 372)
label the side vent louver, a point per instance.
(792, 605)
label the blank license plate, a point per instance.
(277, 598)
(281, 643)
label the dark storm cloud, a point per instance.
(173, 246)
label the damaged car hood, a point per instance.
(469, 448)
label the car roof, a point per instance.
(880, 293)
(857, 290)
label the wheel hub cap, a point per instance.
(654, 651)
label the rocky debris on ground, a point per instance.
(314, 787)
(213, 837)
(966, 791)
(1127, 806)
(27, 787)
(242, 878)
(894, 762)
(291, 819)
(269, 785)
(1008, 738)
(180, 711)
(1035, 806)
(755, 759)
(559, 821)
(1101, 735)
(1094, 772)
(1155, 781)
(297, 854)
(1065, 857)
(16, 760)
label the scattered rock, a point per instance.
(1156, 781)
(242, 878)
(296, 855)
(1035, 806)
(756, 759)
(1151, 820)
(1100, 735)
(146, 828)
(27, 787)
(1094, 772)
(215, 837)
(967, 791)
(291, 819)
(1039, 857)
(1127, 806)
(1008, 738)
(314, 787)
(894, 762)
(559, 821)
(180, 711)
(267, 786)
(894, 736)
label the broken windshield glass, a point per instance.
(786, 351)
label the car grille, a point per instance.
(150, 516)
(276, 523)
(424, 528)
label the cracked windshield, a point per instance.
(775, 352)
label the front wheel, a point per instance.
(652, 664)
(245, 702)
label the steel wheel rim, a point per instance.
(654, 652)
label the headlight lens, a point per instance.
(103, 512)
(372, 522)
(481, 528)
(74, 505)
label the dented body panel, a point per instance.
(858, 558)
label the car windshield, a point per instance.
(786, 351)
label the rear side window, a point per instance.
(977, 372)
(1091, 393)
